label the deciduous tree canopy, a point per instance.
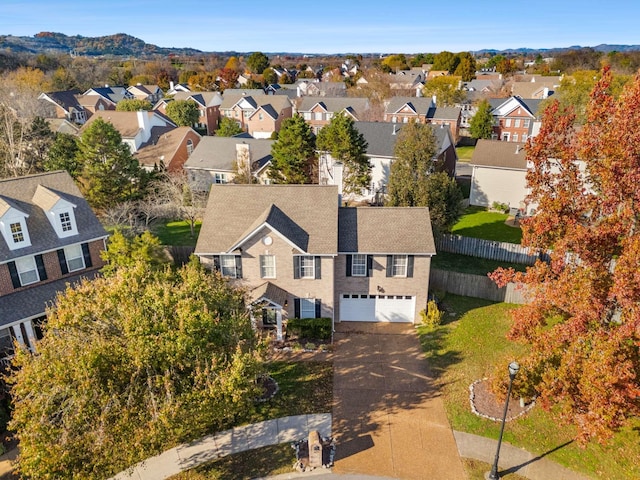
(130, 365)
(583, 322)
(184, 113)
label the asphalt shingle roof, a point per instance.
(20, 193)
(381, 139)
(219, 153)
(307, 214)
(495, 153)
(399, 230)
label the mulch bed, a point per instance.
(269, 387)
(485, 404)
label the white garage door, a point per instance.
(377, 308)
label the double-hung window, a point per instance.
(228, 265)
(267, 266)
(16, 232)
(307, 308)
(75, 257)
(307, 265)
(359, 265)
(65, 222)
(27, 270)
(399, 268)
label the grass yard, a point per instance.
(304, 387)
(465, 153)
(261, 462)
(177, 233)
(477, 222)
(473, 265)
(467, 347)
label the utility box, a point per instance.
(315, 449)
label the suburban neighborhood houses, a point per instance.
(382, 260)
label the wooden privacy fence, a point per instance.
(492, 250)
(477, 286)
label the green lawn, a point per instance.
(177, 233)
(466, 264)
(304, 387)
(467, 347)
(261, 462)
(477, 222)
(465, 153)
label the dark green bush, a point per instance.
(316, 328)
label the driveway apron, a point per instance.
(388, 417)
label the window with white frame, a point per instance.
(514, 138)
(524, 138)
(505, 137)
(267, 266)
(17, 232)
(394, 119)
(516, 123)
(228, 265)
(74, 257)
(507, 122)
(526, 123)
(329, 115)
(307, 308)
(318, 116)
(220, 178)
(27, 270)
(307, 267)
(307, 115)
(399, 266)
(65, 221)
(189, 147)
(359, 265)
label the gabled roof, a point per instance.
(163, 145)
(114, 94)
(502, 107)
(204, 99)
(305, 214)
(20, 193)
(494, 153)
(399, 230)
(277, 102)
(381, 137)
(420, 105)
(444, 113)
(66, 99)
(269, 292)
(219, 153)
(127, 123)
(355, 106)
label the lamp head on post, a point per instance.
(513, 370)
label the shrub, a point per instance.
(431, 316)
(316, 328)
(500, 207)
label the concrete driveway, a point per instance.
(388, 418)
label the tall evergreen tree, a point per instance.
(414, 152)
(481, 124)
(344, 143)
(109, 174)
(293, 152)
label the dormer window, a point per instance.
(16, 232)
(13, 226)
(65, 222)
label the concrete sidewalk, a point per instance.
(239, 439)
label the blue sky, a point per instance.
(330, 26)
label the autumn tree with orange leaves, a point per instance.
(583, 319)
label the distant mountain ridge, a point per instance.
(121, 44)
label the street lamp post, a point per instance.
(513, 370)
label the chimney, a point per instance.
(337, 180)
(545, 93)
(434, 99)
(171, 85)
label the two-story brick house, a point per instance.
(259, 115)
(50, 238)
(299, 254)
(514, 118)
